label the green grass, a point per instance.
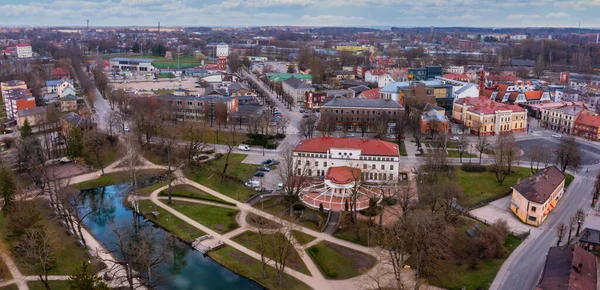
(251, 241)
(275, 207)
(4, 272)
(236, 168)
(108, 155)
(147, 191)
(113, 178)
(483, 186)
(68, 254)
(568, 179)
(10, 287)
(169, 222)
(302, 238)
(219, 219)
(188, 191)
(54, 285)
(455, 153)
(252, 269)
(338, 262)
(348, 232)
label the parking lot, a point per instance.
(271, 179)
(500, 209)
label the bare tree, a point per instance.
(194, 135)
(327, 123)
(596, 192)
(308, 126)
(580, 217)
(560, 233)
(396, 243)
(231, 140)
(283, 246)
(572, 223)
(481, 145)
(282, 125)
(568, 155)
(451, 193)
(131, 158)
(293, 173)
(463, 146)
(35, 251)
(505, 152)
(94, 143)
(381, 126)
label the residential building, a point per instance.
(61, 73)
(314, 100)
(68, 103)
(132, 64)
(334, 166)
(369, 94)
(24, 50)
(434, 90)
(17, 99)
(356, 48)
(525, 98)
(66, 91)
(56, 86)
(35, 116)
(71, 120)
(213, 110)
(296, 88)
(587, 125)
(486, 117)
(361, 115)
(433, 119)
(455, 69)
(569, 267)
(281, 77)
(344, 75)
(534, 197)
(590, 240)
(561, 119)
(427, 73)
(356, 91)
(236, 89)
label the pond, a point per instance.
(186, 268)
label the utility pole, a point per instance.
(88, 25)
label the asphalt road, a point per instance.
(590, 154)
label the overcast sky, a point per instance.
(487, 13)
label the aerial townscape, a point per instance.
(297, 145)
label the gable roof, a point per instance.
(31, 111)
(484, 105)
(539, 188)
(569, 267)
(367, 146)
(297, 84)
(371, 94)
(361, 103)
(588, 119)
(434, 116)
(76, 120)
(430, 106)
(590, 236)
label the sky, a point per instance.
(218, 13)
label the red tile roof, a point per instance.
(371, 94)
(22, 44)
(377, 72)
(588, 119)
(533, 95)
(342, 174)
(569, 267)
(496, 78)
(367, 146)
(484, 105)
(457, 77)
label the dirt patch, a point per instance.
(361, 261)
(247, 260)
(219, 227)
(261, 222)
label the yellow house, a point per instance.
(487, 117)
(534, 197)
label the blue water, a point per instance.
(187, 268)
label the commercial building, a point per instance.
(561, 119)
(485, 117)
(427, 73)
(435, 91)
(361, 115)
(296, 88)
(356, 48)
(587, 125)
(340, 167)
(433, 119)
(213, 110)
(281, 77)
(132, 64)
(314, 100)
(569, 267)
(534, 197)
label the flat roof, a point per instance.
(132, 59)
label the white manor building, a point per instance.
(337, 167)
(132, 64)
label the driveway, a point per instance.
(500, 209)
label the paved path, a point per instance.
(17, 277)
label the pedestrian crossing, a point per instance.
(592, 178)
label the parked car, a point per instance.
(350, 135)
(273, 162)
(266, 161)
(126, 129)
(279, 186)
(244, 147)
(454, 138)
(259, 174)
(252, 183)
(263, 168)
(556, 135)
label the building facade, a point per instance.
(340, 167)
(296, 88)
(24, 50)
(212, 110)
(132, 64)
(314, 100)
(485, 117)
(534, 197)
(587, 125)
(561, 119)
(361, 115)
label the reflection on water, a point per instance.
(184, 268)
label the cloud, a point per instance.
(460, 17)
(523, 16)
(558, 15)
(329, 20)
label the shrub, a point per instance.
(321, 207)
(313, 249)
(231, 226)
(299, 207)
(469, 167)
(280, 136)
(390, 200)
(203, 157)
(271, 146)
(218, 155)
(332, 273)
(231, 213)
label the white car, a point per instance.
(244, 147)
(454, 138)
(350, 135)
(556, 135)
(126, 129)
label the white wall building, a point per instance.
(24, 50)
(132, 64)
(455, 69)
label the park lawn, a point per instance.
(217, 218)
(108, 155)
(115, 178)
(275, 207)
(302, 238)
(483, 187)
(54, 285)
(252, 269)
(68, 254)
(188, 191)
(10, 287)
(215, 137)
(348, 232)
(251, 241)
(455, 153)
(147, 191)
(568, 179)
(338, 262)
(169, 222)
